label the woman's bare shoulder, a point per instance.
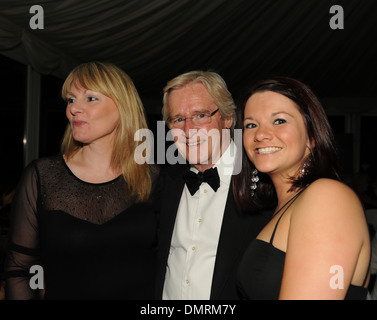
(331, 198)
(332, 190)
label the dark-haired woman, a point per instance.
(316, 245)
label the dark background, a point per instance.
(155, 40)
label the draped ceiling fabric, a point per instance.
(243, 40)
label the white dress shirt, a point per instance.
(195, 237)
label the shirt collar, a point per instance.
(225, 164)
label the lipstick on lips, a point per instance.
(78, 123)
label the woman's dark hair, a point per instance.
(322, 161)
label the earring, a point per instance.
(305, 168)
(254, 180)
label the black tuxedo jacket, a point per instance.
(237, 230)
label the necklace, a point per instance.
(289, 202)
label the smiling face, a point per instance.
(275, 136)
(201, 145)
(93, 116)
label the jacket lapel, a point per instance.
(173, 185)
(237, 230)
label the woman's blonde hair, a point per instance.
(216, 87)
(114, 83)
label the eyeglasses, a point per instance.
(197, 119)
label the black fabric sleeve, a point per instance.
(22, 238)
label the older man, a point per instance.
(202, 234)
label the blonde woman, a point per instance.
(85, 217)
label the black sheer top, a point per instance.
(92, 240)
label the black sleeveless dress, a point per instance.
(261, 271)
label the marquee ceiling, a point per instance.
(243, 40)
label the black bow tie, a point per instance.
(194, 180)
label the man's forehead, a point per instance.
(190, 99)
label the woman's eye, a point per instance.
(280, 121)
(70, 100)
(92, 99)
(250, 126)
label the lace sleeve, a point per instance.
(22, 238)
